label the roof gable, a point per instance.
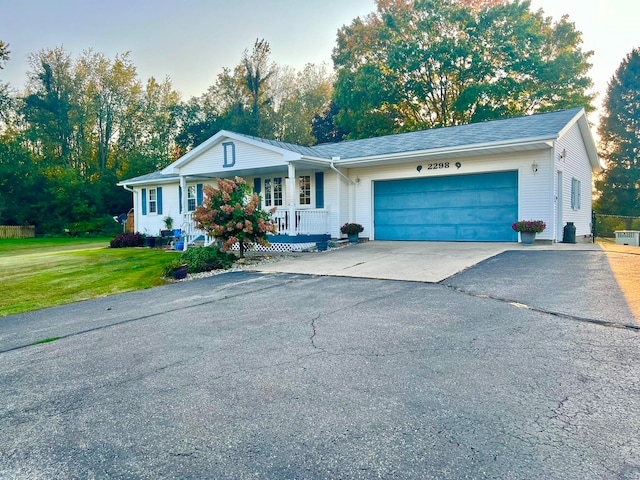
(218, 142)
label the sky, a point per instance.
(190, 41)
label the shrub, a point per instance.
(168, 269)
(232, 213)
(202, 259)
(128, 240)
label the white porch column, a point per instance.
(184, 196)
(183, 213)
(292, 199)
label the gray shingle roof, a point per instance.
(510, 130)
(151, 176)
(307, 151)
(545, 125)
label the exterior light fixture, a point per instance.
(563, 154)
(534, 168)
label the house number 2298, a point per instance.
(436, 166)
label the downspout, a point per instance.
(135, 204)
(333, 167)
(350, 182)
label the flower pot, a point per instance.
(150, 242)
(180, 273)
(179, 246)
(527, 237)
(353, 237)
(322, 246)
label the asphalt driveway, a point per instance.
(522, 366)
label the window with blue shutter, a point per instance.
(319, 189)
(159, 193)
(144, 201)
(257, 184)
(199, 194)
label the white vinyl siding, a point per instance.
(570, 156)
(213, 160)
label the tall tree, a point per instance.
(258, 97)
(111, 92)
(619, 130)
(5, 98)
(297, 98)
(324, 128)
(258, 70)
(51, 108)
(416, 64)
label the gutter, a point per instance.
(135, 198)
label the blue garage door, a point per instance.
(469, 208)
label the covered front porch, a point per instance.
(296, 229)
(294, 191)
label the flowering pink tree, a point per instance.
(232, 213)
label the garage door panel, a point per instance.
(460, 208)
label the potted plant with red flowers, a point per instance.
(528, 229)
(352, 230)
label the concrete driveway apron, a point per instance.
(410, 261)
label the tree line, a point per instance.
(85, 122)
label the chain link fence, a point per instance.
(604, 226)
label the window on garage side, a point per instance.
(575, 194)
(305, 189)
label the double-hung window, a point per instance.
(153, 200)
(273, 192)
(305, 189)
(191, 198)
(575, 194)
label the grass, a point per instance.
(43, 272)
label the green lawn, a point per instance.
(42, 272)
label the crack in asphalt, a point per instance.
(314, 332)
(596, 321)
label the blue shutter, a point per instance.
(199, 194)
(159, 195)
(180, 199)
(144, 201)
(319, 189)
(257, 185)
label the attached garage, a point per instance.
(478, 207)
(461, 183)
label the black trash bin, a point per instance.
(569, 233)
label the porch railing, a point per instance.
(307, 222)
